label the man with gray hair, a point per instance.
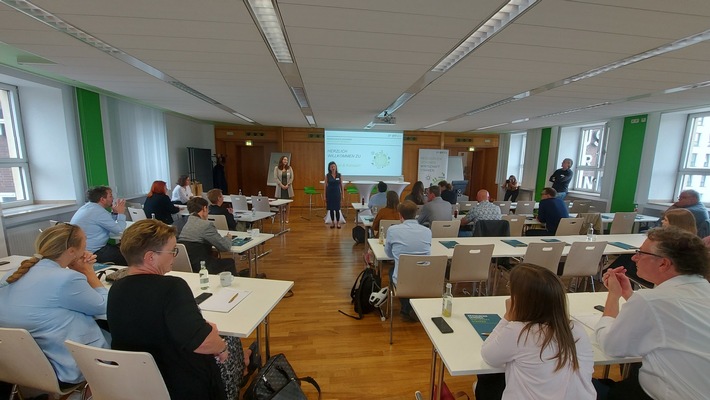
(668, 326)
(561, 178)
(690, 200)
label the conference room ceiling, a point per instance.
(355, 58)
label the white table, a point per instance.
(13, 262)
(359, 207)
(250, 248)
(505, 250)
(460, 351)
(396, 186)
(243, 319)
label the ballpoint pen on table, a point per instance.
(233, 297)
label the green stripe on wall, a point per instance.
(627, 171)
(92, 137)
(542, 162)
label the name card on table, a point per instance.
(514, 243)
(483, 323)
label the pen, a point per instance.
(233, 297)
(485, 333)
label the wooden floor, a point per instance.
(350, 359)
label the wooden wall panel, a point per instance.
(246, 167)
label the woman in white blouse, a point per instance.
(182, 192)
(545, 354)
(283, 175)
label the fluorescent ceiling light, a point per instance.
(310, 119)
(436, 124)
(268, 19)
(300, 94)
(505, 15)
(491, 126)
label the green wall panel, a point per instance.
(541, 180)
(92, 137)
(627, 171)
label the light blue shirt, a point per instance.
(407, 238)
(54, 304)
(98, 224)
(378, 199)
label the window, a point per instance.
(516, 157)
(589, 170)
(15, 187)
(690, 175)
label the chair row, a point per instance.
(111, 374)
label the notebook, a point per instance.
(623, 245)
(555, 241)
(449, 244)
(514, 242)
(224, 300)
(240, 241)
(483, 323)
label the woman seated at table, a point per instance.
(55, 295)
(545, 354)
(182, 191)
(217, 207)
(417, 194)
(150, 312)
(199, 235)
(158, 202)
(387, 212)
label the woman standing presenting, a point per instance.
(283, 174)
(333, 193)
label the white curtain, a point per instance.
(136, 147)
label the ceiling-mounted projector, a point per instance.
(385, 120)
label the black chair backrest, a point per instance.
(491, 228)
(197, 252)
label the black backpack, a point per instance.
(367, 282)
(359, 234)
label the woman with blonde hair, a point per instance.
(283, 174)
(55, 295)
(681, 218)
(545, 354)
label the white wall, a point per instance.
(184, 133)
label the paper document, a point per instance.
(224, 300)
(589, 320)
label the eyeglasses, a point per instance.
(175, 251)
(638, 252)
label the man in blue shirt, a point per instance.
(99, 224)
(690, 200)
(406, 238)
(552, 210)
(379, 199)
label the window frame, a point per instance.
(691, 142)
(22, 161)
(598, 170)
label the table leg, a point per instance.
(432, 383)
(266, 337)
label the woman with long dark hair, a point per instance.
(283, 174)
(158, 202)
(545, 354)
(512, 188)
(333, 193)
(417, 194)
(182, 191)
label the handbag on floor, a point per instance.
(277, 381)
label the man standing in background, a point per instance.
(561, 178)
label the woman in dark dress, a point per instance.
(333, 193)
(158, 202)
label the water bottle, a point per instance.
(204, 277)
(363, 201)
(447, 302)
(259, 193)
(253, 212)
(456, 210)
(152, 215)
(240, 192)
(590, 233)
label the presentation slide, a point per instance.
(365, 153)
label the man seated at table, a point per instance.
(436, 208)
(668, 326)
(216, 197)
(379, 199)
(98, 223)
(484, 210)
(690, 200)
(552, 209)
(407, 238)
(199, 235)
